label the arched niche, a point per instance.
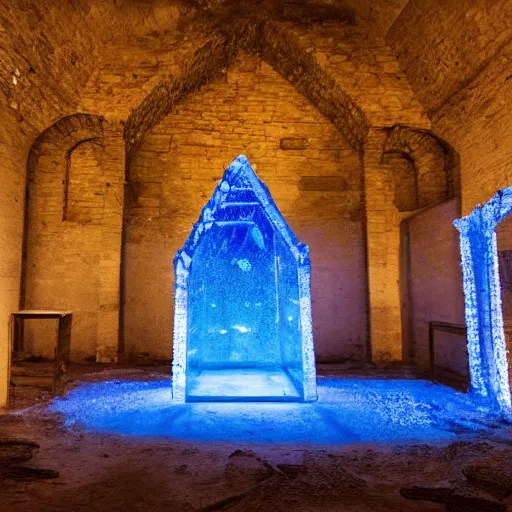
(423, 168)
(64, 227)
(484, 319)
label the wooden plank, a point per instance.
(63, 345)
(41, 313)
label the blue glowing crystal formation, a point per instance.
(487, 352)
(242, 316)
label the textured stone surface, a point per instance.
(431, 168)
(137, 64)
(14, 451)
(49, 50)
(175, 172)
(434, 286)
(493, 473)
(442, 45)
(457, 59)
(74, 218)
(244, 466)
(467, 498)
(434, 166)
(476, 121)
(383, 241)
(435, 494)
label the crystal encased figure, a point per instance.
(242, 318)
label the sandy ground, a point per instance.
(107, 472)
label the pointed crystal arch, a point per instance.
(242, 326)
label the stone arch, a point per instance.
(482, 294)
(56, 241)
(152, 202)
(275, 41)
(70, 130)
(210, 61)
(213, 59)
(430, 168)
(304, 72)
(426, 163)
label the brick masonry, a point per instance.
(105, 58)
(458, 63)
(316, 181)
(434, 285)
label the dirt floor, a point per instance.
(107, 472)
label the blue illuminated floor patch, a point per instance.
(348, 411)
(241, 384)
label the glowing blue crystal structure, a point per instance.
(242, 317)
(487, 352)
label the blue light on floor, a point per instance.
(347, 411)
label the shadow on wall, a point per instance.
(431, 286)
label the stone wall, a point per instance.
(48, 51)
(457, 58)
(312, 173)
(146, 79)
(13, 155)
(143, 64)
(69, 209)
(433, 288)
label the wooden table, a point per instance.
(63, 338)
(437, 372)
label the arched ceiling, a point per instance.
(351, 76)
(375, 15)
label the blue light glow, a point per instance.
(347, 411)
(242, 300)
(482, 294)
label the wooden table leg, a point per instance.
(17, 332)
(62, 352)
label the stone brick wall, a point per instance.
(46, 56)
(366, 69)
(442, 46)
(376, 15)
(13, 155)
(49, 50)
(143, 63)
(351, 78)
(434, 284)
(313, 175)
(477, 122)
(68, 211)
(457, 58)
